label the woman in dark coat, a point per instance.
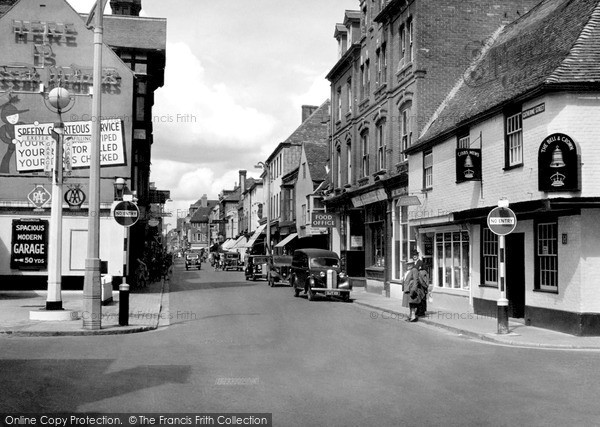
(413, 293)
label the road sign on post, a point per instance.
(126, 213)
(502, 221)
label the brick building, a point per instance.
(522, 124)
(46, 44)
(398, 61)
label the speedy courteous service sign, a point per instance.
(35, 145)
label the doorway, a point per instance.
(515, 274)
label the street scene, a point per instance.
(308, 213)
(224, 344)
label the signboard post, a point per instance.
(502, 221)
(125, 213)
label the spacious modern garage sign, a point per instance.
(29, 246)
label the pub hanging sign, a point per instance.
(558, 164)
(468, 164)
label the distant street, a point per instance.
(230, 345)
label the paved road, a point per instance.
(232, 345)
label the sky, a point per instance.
(237, 74)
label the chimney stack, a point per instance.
(203, 201)
(126, 7)
(242, 184)
(307, 111)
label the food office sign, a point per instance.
(29, 246)
(558, 164)
(35, 145)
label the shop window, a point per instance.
(547, 256)
(514, 140)
(404, 241)
(489, 257)
(452, 260)
(376, 235)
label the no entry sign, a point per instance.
(502, 221)
(126, 213)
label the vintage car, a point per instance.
(257, 266)
(231, 261)
(192, 260)
(319, 271)
(280, 270)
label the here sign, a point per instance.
(35, 145)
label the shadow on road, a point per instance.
(48, 385)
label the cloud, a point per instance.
(196, 121)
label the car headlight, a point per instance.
(342, 276)
(322, 274)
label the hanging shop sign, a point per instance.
(468, 164)
(34, 146)
(558, 164)
(29, 245)
(323, 219)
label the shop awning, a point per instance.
(287, 240)
(240, 243)
(252, 239)
(228, 244)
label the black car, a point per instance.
(319, 271)
(192, 260)
(257, 266)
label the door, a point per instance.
(515, 274)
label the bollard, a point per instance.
(123, 304)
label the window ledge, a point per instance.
(507, 168)
(426, 190)
(483, 285)
(546, 291)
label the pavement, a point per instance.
(468, 324)
(145, 308)
(148, 307)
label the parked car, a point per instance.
(319, 271)
(280, 270)
(257, 266)
(231, 260)
(192, 260)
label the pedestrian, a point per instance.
(423, 278)
(413, 293)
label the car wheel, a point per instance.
(346, 297)
(311, 294)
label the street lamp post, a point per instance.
(265, 168)
(59, 98)
(92, 290)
